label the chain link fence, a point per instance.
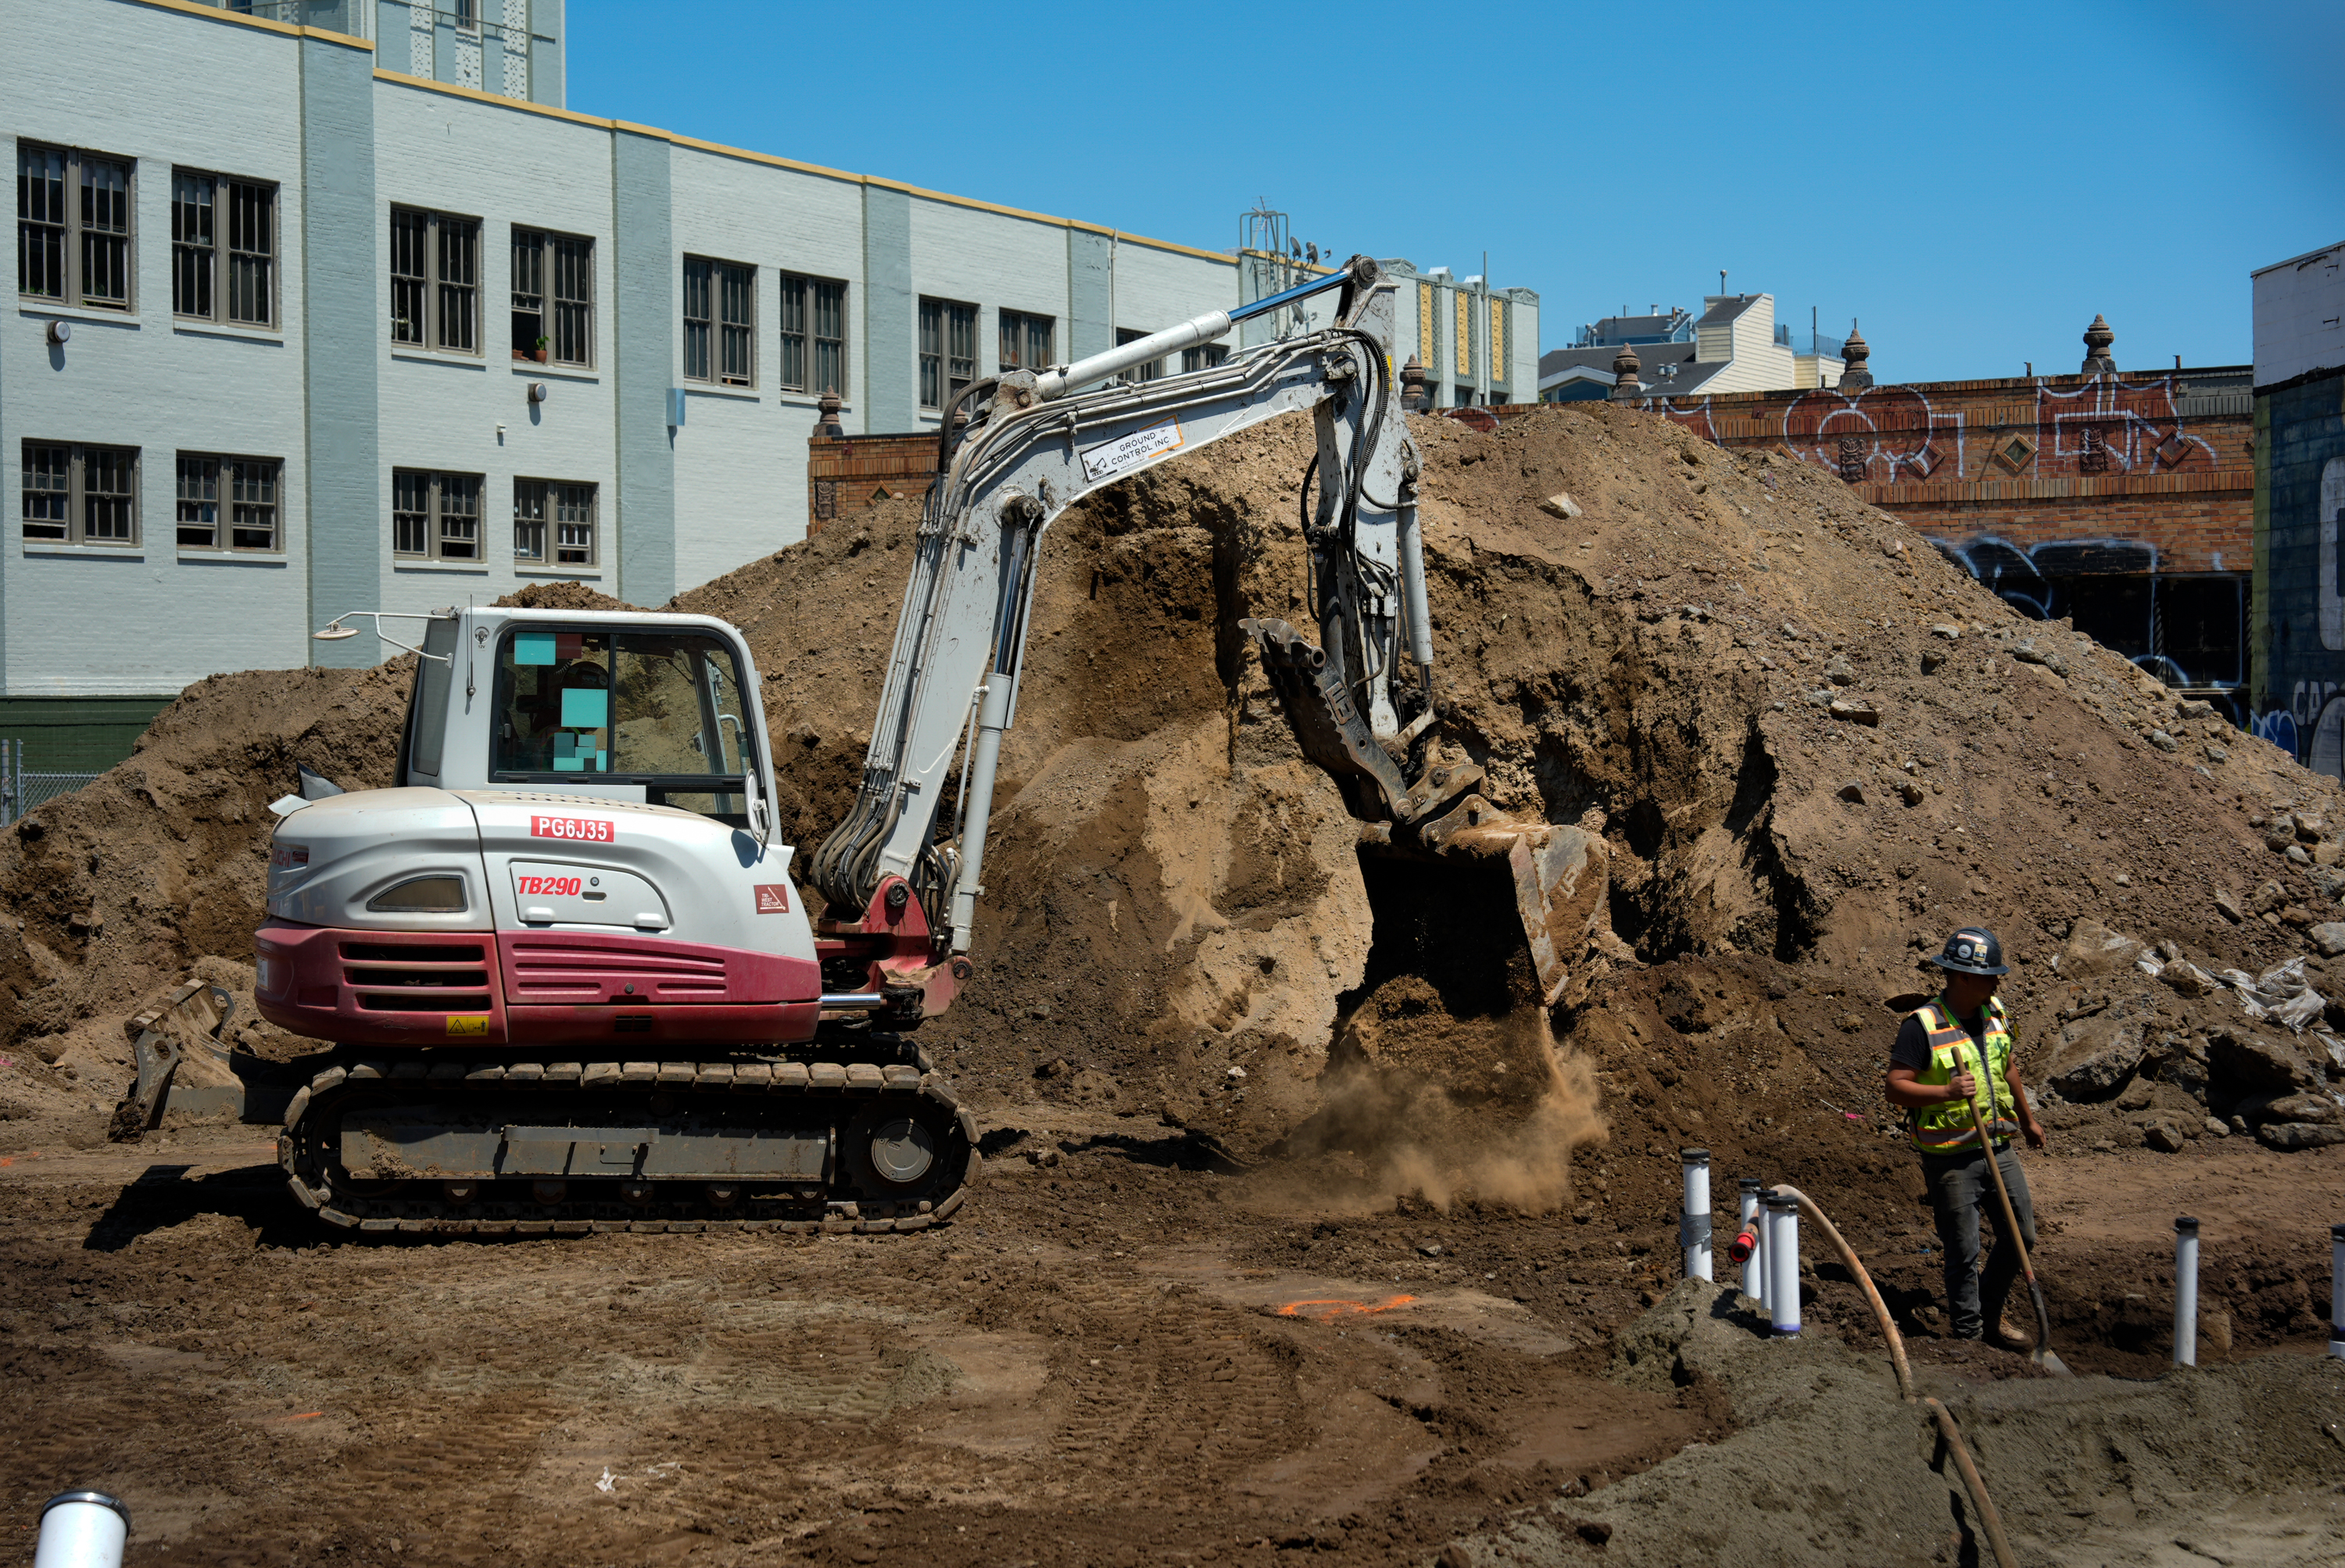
(21, 792)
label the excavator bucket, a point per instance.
(1560, 874)
(1561, 878)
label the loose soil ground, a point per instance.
(1256, 1069)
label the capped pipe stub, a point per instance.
(1753, 1183)
(2337, 1233)
(2186, 1225)
(100, 1498)
(1694, 1157)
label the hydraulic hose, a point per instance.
(1989, 1520)
(1880, 1309)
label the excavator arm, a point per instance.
(1037, 442)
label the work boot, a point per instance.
(2011, 1334)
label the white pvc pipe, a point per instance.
(2336, 1290)
(1783, 1263)
(81, 1530)
(1693, 1221)
(1755, 1265)
(1202, 329)
(2185, 1292)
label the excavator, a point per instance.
(570, 978)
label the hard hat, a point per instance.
(1972, 951)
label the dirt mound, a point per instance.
(1812, 746)
(1830, 1467)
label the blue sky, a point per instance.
(1971, 182)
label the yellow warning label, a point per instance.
(468, 1023)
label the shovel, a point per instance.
(2042, 1355)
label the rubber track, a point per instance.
(868, 1083)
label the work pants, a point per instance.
(1960, 1188)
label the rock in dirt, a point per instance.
(2226, 904)
(2290, 1135)
(1949, 633)
(2304, 1106)
(1856, 710)
(1853, 792)
(1840, 672)
(2163, 741)
(2096, 1055)
(2329, 937)
(2187, 979)
(2094, 951)
(1560, 506)
(2247, 1060)
(2164, 1139)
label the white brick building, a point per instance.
(274, 351)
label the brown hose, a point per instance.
(1880, 1309)
(1989, 1519)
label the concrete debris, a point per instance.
(2257, 1061)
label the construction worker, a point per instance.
(1951, 1055)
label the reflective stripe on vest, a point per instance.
(1944, 1127)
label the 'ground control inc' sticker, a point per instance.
(773, 898)
(578, 829)
(1131, 450)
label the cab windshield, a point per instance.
(662, 709)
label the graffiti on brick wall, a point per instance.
(2108, 427)
(1883, 435)
(1895, 435)
(2188, 630)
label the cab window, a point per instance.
(663, 709)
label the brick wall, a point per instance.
(846, 474)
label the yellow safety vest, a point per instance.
(1944, 1128)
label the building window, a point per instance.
(948, 351)
(80, 494)
(1026, 340)
(467, 13)
(814, 335)
(563, 266)
(74, 253)
(435, 516)
(435, 281)
(570, 508)
(1145, 372)
(247, 485)
(211, 216)
(720, 322)
(1204, 357)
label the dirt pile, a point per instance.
(1811, 745)
(1831, 1466)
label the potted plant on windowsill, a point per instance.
(542, 347)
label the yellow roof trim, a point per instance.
(217, 14)
(771, 160)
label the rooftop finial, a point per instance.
(1855, 352)
(827, 415)
(2098, 339)
(1624, 387)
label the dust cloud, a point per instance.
(1439, 1110)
